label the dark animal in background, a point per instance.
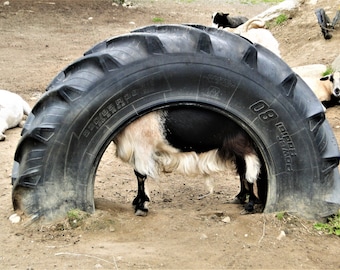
(325, 23)
(189, 140)
(223, 20)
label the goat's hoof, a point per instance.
(141, 212)
(326, 35)
(246, 212)
(249, 207)
(200, 197)
(141, 209)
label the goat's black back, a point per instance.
(197, 129)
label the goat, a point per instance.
(263, 37)
(192, 141)
(326, 88)
(223, 20)
(332, 87)
(254, 31)
(12, 110)
(325, 23)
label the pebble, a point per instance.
(203, 236)
(14, 218)
(281, 235)
(226, 220)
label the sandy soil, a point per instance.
(38, 39)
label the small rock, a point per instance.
(281, 235)
(226, 219)
(313, 2)
(128, 5)
(203, 236)
(6, 3)
(15, 218)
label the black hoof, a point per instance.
(249, 207)
(141, 212)
(141, 206)
(326, 34)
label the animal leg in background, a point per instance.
(324, 22)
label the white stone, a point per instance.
(15, 218)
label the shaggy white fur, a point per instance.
(12, 110)
(254, 30)
(142, 144)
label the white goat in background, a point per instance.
(254, 30)
(326, 88)
(12, 110)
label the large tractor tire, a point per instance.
(125, 77)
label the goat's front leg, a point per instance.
(141, 201)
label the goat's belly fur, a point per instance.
(185, 140)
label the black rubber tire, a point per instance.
(154, 67)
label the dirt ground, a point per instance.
(37, 40)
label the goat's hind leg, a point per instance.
(142, 199)
(241, 197)
(247, 189)
(250, 206)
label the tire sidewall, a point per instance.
(236, 91)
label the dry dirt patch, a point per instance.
(38, 39)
